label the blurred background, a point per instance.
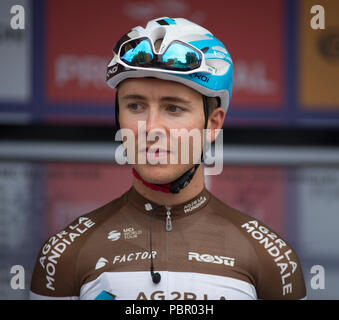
(281, 136)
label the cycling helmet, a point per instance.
(212, 75)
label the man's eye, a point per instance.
(134, 107)
(174, 109)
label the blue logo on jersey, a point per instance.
(104, 295)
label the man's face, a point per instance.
(163, 106)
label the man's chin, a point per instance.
(161, 173)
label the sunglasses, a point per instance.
(179, 57)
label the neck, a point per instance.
(195, 187)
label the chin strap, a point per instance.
(172, 187)
(184, 180)
(157, 187)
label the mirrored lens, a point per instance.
(181, 57)
(137, 53)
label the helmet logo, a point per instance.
(215, 54)
(111, 71)
(200, 76)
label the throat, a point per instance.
(156, 187)
(164, 197)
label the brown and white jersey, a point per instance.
(203, 249)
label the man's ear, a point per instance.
(215, 122)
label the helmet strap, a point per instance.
(116, 111)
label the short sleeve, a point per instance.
(279, 271)
(55, 273)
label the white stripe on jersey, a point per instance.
(173, 285)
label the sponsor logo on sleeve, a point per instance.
(58, 244)
(277, 249)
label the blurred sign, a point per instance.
(79, 48)
(76, 189)
(255, 40)
(319, 58)
(15, 52)
(20, 224)
(318, 203)
(255, 191)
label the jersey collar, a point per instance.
(188, 207)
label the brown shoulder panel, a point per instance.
(281, 275)
(56, 269)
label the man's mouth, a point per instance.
(152, 153)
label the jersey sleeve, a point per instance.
(55, 273)
(279, 273)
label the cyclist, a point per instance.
(168, 237)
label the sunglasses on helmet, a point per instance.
(179, 57)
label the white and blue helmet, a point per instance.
(212, 76)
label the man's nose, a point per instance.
(153, 120)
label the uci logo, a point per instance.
(200, 76)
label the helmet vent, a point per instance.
(157, 44)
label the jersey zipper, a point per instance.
(168, 219)
(168, 227)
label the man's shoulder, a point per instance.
(277, 266)
(229, 214)
(263, 238)
(56, 269)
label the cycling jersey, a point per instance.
(203, 249)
